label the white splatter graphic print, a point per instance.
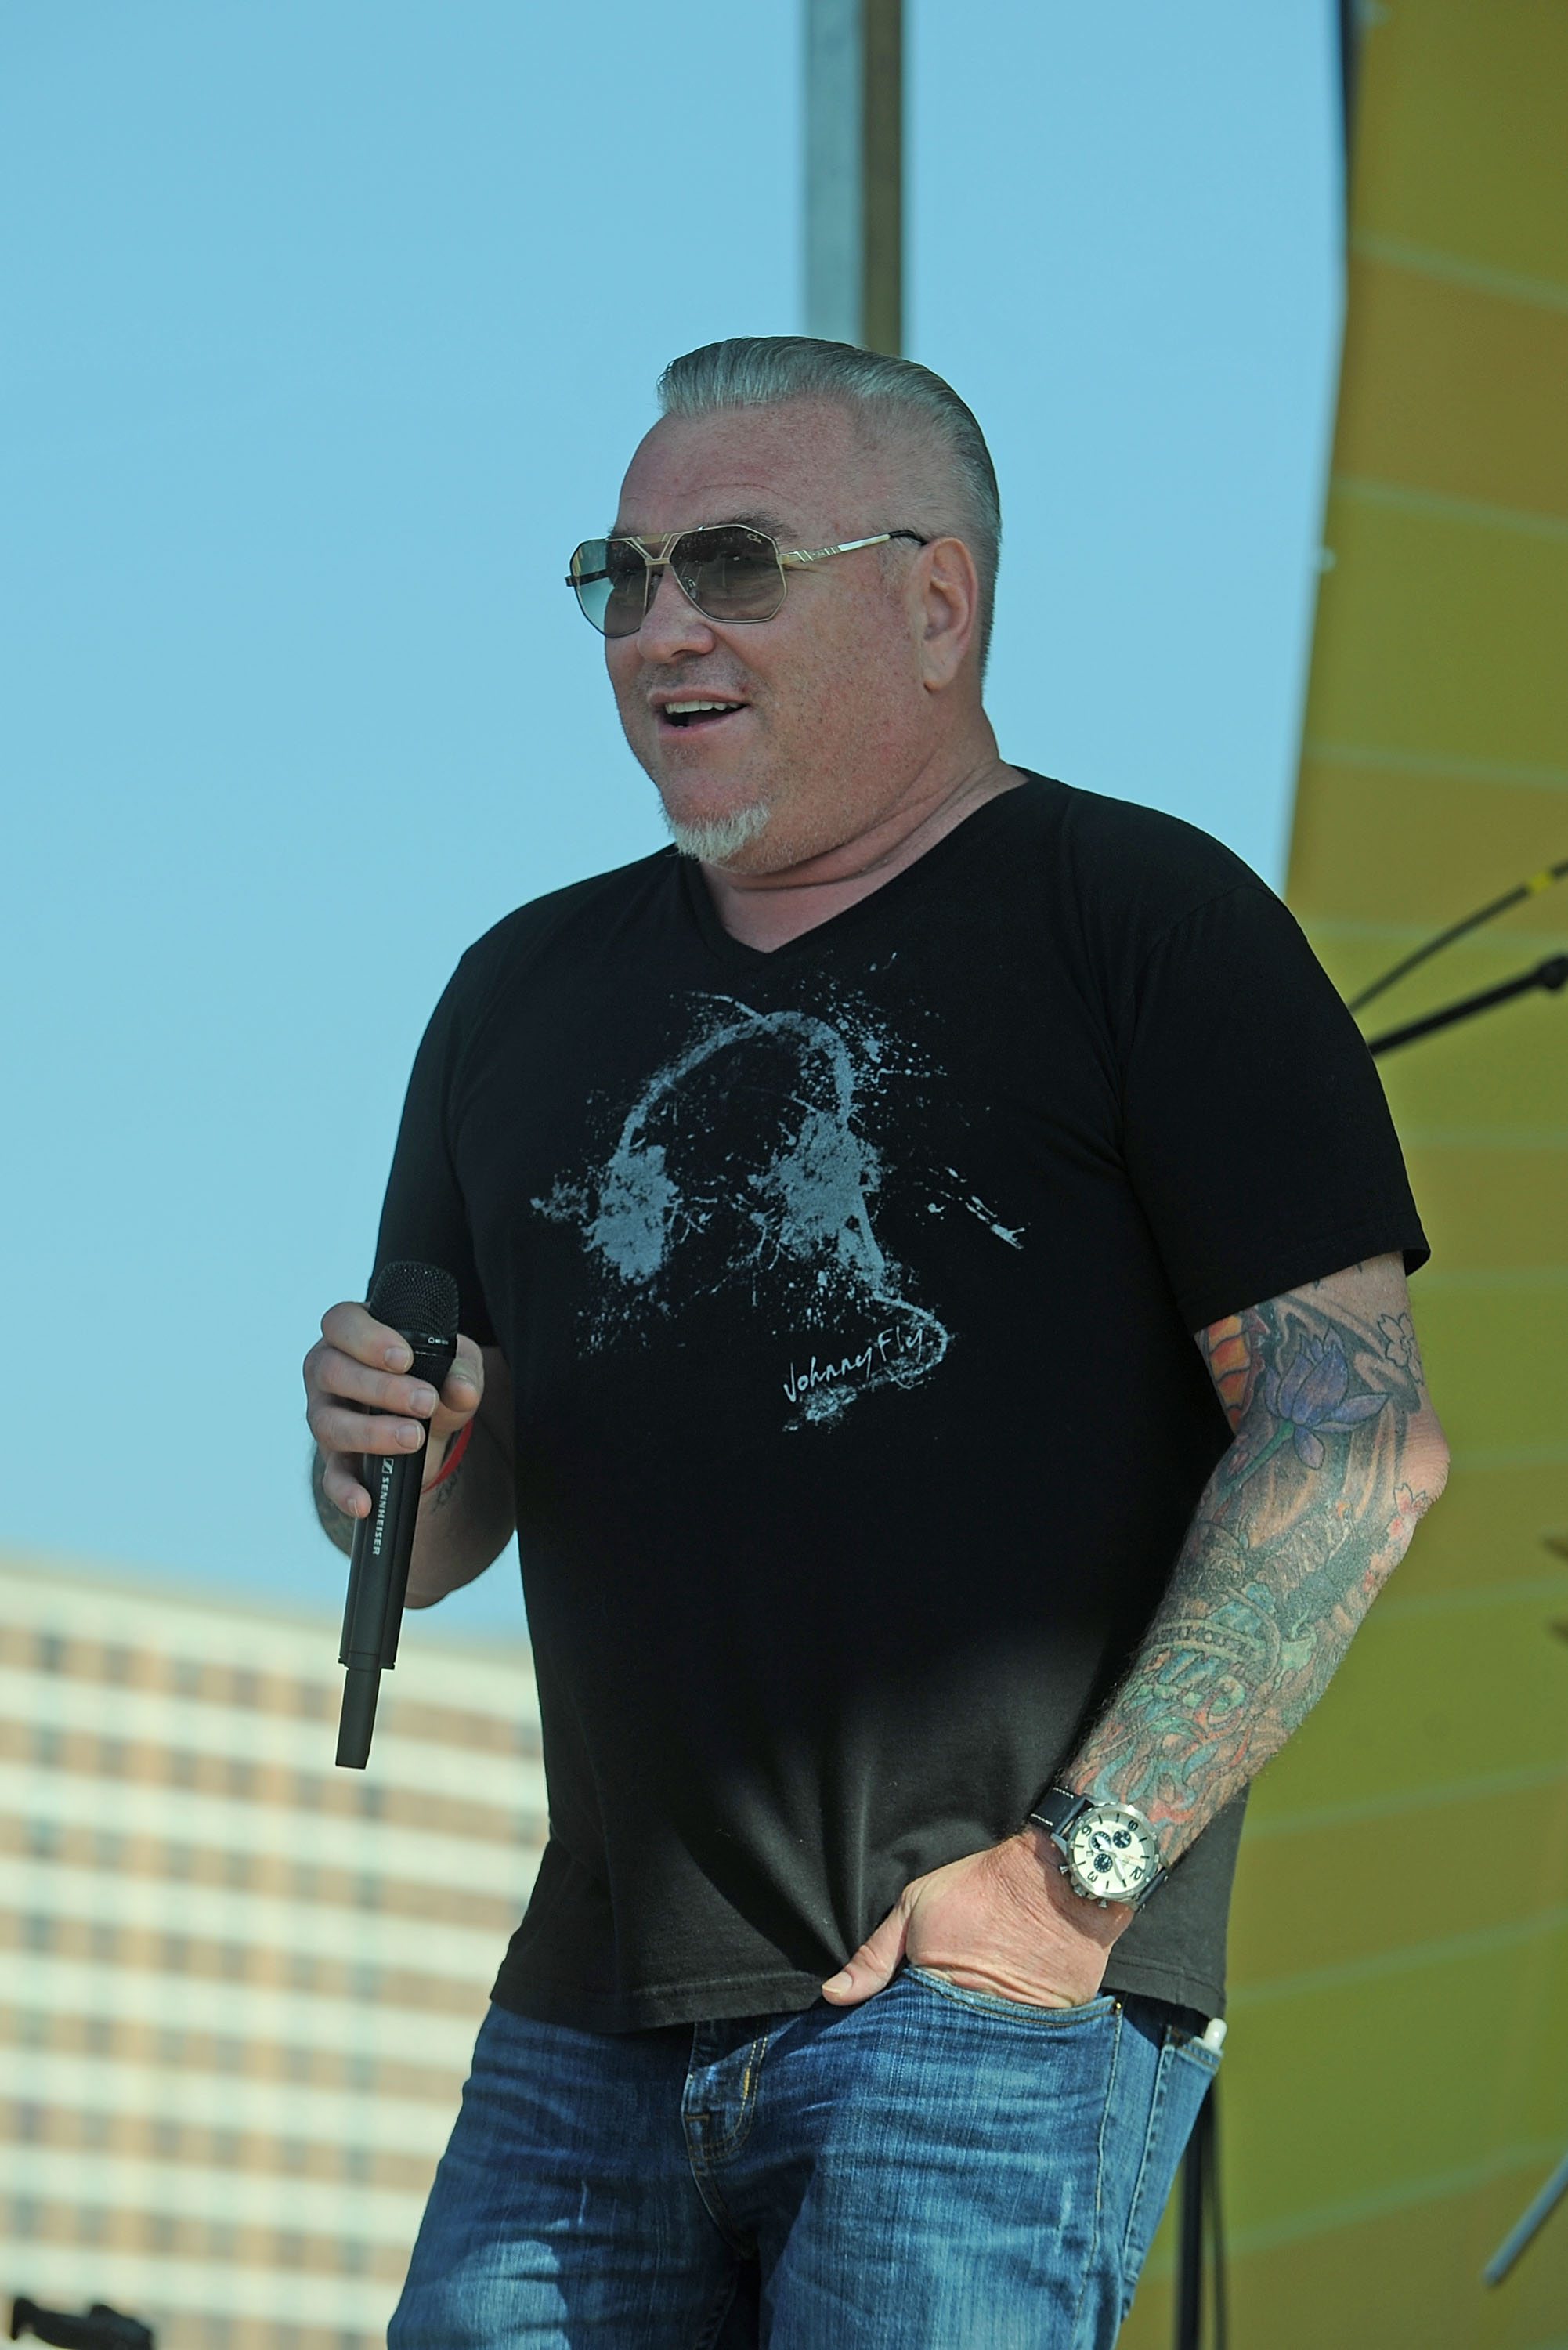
(744, 1164)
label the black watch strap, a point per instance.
(1055, 1809)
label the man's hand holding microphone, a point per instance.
(390, 1381)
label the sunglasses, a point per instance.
(728, 571)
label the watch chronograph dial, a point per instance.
(1112, 1856)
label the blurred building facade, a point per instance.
(238, 1988)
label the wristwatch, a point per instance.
(1109, 1851)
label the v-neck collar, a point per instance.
(911, 881)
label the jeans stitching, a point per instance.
(720, 2149)
(704, 2155)
(1156, 2107)
(1177, 2049)
(1100, 2169)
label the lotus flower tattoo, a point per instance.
(1310, 1390)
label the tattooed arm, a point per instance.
(1335, 1452)
(356, 1371)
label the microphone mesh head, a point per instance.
(408, 1297)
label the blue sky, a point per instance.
(330, 330)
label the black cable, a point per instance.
(1550, 975)
(1530, 889)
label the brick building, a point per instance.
(238, 1987)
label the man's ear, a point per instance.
(947, 583)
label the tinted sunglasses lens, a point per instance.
(729, 573)
(610, 578)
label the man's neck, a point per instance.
(767, 909)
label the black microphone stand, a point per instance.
(1551, 974)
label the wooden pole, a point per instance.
(882, 181)
(854, 171)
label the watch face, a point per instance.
(1113, 1857)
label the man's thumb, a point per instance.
(871, 1967)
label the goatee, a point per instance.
(717, 838)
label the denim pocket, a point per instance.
(1016, 2011)
(1183, 2072)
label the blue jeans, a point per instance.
(933, 2170)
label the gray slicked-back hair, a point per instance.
(763, 370)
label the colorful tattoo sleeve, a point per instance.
(1335, 1454)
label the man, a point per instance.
(834, 1199)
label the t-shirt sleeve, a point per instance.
(424, 1216)
(1255, 1127)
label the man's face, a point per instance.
(825, 717)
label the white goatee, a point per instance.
(721, 836)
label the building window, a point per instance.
(50, 1653)
(116, 1664)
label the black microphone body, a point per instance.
(420, 1303)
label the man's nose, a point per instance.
(672, 625)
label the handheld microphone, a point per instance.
(420, 1302)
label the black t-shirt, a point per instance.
(847, 1292)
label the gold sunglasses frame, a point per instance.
(794, 558)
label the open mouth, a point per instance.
(699, 711)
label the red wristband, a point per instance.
(454, 1452)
